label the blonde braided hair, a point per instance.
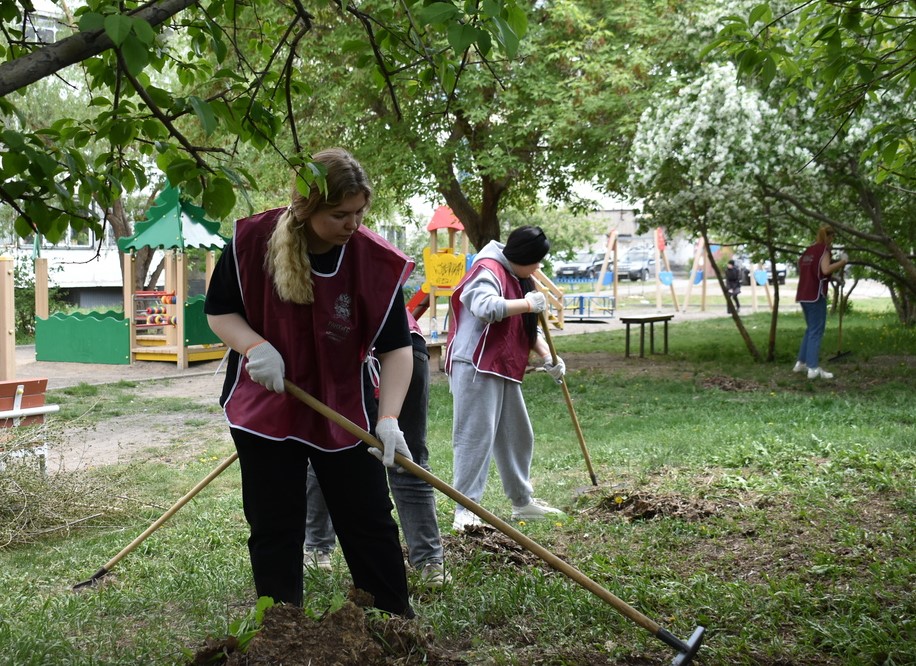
(287, 260)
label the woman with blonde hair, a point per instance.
(815, 266)
(305, 293)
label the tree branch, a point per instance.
(25, 70)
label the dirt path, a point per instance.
(175, 435)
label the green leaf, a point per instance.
(118, 27)
(23, 228)
(889, 153)
(438, 13)
(767, 72)
(204, 113)
(517, 20)
(506, 37)
(760, 13)
(144, 31)
(14, 163)
(135, 54)
(219, 197)
(91, 21)
(460, 37)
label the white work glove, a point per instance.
(844, 257)
(389, 432)
(555, 370)
(537, 302)
(266, 367)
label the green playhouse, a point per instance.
(165, 325)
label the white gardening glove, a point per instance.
(555, 370)
(389, 432)
(266, 367)
(844, 257)
(537, 302)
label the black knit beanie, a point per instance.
(526, 245)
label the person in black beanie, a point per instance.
(493, 330)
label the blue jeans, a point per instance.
(816, 321)
(414, 498)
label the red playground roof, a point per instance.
(444, 218)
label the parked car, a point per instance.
(746, 266)
(637, 264)
(584, 265)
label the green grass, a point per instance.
(775, 511)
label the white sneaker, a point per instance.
(464, 518)
(814, 373)
(534, 509)
(317, 559)
(799, 367)
(433, 576)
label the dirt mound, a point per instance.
(345, 637)
(648, 506)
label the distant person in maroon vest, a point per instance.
(733, 283)
(815, 266)
(494, 328)
(304, 293)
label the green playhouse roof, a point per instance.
(173, 224)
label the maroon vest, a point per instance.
(811, 282)
(503, 347)
(323, 344)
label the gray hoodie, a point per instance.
(483, 303)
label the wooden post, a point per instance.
(433, 321)
(181, 296)
(7, 318)
(41, 288)
(697, 262)
(610, 247)
(128, 261)
(753, 281)
(673, 291)
(705, 280)
(210, 265)
(171, 332)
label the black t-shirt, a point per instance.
(224, 296)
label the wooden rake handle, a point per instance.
(569, 402)
(497, 522)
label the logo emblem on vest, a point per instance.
(340, 325)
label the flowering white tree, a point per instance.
(716, 158)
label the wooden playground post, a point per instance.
(7, 319)
(610, 247)
(753, 283)
(698, 263)
(673, 290)
(209, 266)
(181, 296)
(433, 302)
(128, 261)
(41, 288)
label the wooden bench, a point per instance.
(22, 402)
(436, 360)
(642, 321)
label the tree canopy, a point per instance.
(765, 161)
(181, 86)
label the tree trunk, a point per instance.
(731, 303)
(774, 317)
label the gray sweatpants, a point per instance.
(490, 422)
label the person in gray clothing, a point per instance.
(494, 328)
(413, 497)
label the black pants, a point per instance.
(356, 492)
